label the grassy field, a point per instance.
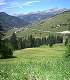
(42, 63)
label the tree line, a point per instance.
(7, 46)
(30, 41)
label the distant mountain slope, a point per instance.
(58, 23)
(8, 21)
(41, 15)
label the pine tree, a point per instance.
(51, 40)
(31, 39)
(5, 50)
(14, 41)
(43, 40)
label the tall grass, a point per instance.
(42, 63)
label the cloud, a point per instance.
(30, 3)
(15, 4)
(2, 2)
(21, 5)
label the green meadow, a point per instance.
(41, 63)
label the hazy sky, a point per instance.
(27, 6)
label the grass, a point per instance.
(42, 63)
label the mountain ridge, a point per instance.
(40, 15)
(8, 21)
(57, 23)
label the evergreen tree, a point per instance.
(5, 50)
(19, 43)
(51, 40)
(14, 41)
(23, 43)
(37, 42)
(43, 40)
(31, 39)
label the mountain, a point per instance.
(40, 15)
(9, 22)
(58, 23)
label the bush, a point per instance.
(66, 42)
(5, 51)
(67, 52)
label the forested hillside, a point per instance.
(58, 23)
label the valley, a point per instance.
(57, 23)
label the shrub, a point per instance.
(5, 51)
(67, 52)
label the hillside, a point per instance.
(41, 15)
(8, 21)
(59, 23)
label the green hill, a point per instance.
(59, 23)
(9, 22)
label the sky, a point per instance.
(16, 7)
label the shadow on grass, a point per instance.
(10, 57)
(68, 55)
